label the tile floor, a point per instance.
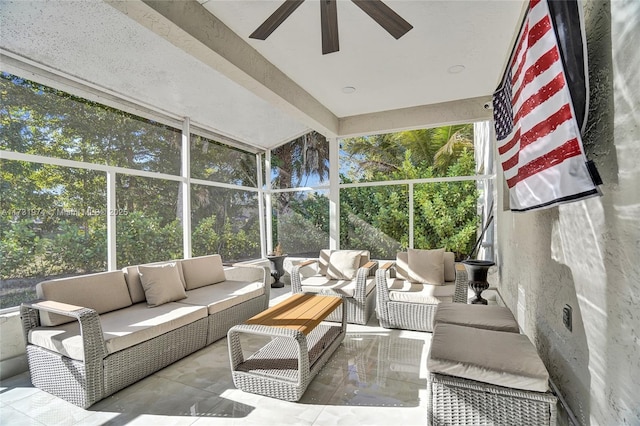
(376, 377)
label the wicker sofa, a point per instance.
(407, 303)
(92, 335)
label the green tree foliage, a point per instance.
(376, 217)
(54, 218)
(303, 228)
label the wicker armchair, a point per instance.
(315, 276)
(412, 305)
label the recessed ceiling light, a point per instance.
(455, 69)
(348, 89)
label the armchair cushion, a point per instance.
(325, 255)
(321, 284)
(402, 266)
(161, 283)
(343, 264)
(405, 291)
(426, 266)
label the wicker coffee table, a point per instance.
(300, 345)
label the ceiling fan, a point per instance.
(376, 9)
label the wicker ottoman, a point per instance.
(486, 377)
(490, 317)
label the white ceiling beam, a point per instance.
(189, 26)
(419, 117)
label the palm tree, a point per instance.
(301, 159)
(438, 147)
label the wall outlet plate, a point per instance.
(566, 317)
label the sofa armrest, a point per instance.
(307, 263)
(371, 267)
(296, 275)
(382, 287)
(250, 273)
(364, 272)
(90, 327)
(387, 266)
(247, 272)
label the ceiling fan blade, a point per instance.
(329, 25)
(385, 16)
(276, 18)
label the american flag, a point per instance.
(539, 140)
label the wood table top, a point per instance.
(302, 312)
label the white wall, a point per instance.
(585, 254)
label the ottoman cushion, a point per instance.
(490, 317)
(496, 357)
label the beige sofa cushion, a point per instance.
(491, 317)
(161, 283)
(224, 295)
(343, 264)
(325, 255)
(322, 284)
(407, 291)
(202, 271)
(121, 329)
(402, 266)
(488, 356)
(103, 292)
(135, 285)
(426, 266)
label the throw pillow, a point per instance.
(161, 283)
(426, 266)
(344, 264)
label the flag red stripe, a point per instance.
(509, 144)
(516, 73)
(538, 30)
(525, 30)
(563, 152)
(541, 65)
(533, 3)
(545, 92)
(511, 162)
(546, 127)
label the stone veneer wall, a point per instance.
(586, 254)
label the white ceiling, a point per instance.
(194, 59)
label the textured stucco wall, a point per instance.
(585, 254)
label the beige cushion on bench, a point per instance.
(121, 329)
(202, 271)
(496, 357)
(224, 295)
(491, 317)
(103, 292)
